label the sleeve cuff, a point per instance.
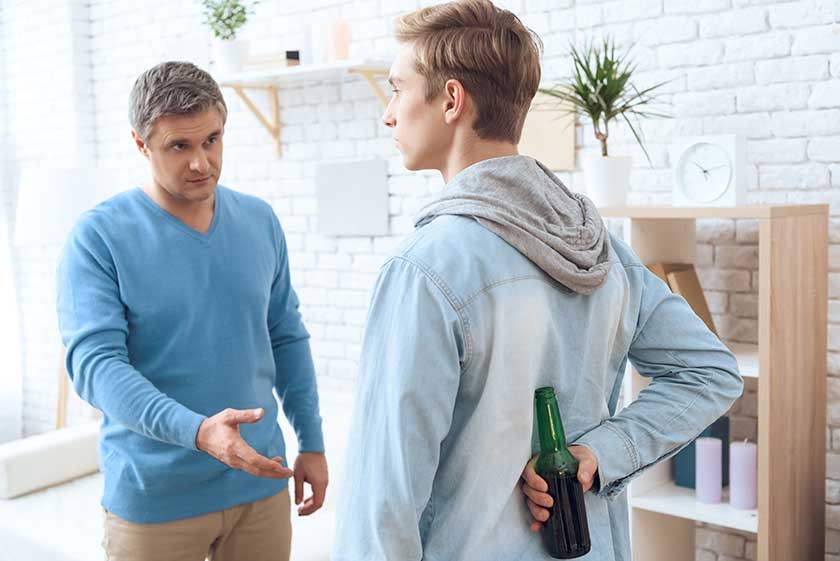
(617, 458)
(311, 439)
(189, 429)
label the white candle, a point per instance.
(743, 472)
(709, 467)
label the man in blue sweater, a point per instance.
(175, 305)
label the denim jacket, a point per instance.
(462, 329)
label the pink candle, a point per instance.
(709, 466)
(338, 40)
(742, 475)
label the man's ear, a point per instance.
(455, 101)
(140, 143)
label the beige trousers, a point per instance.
(258, 531)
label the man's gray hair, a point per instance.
(172, 88)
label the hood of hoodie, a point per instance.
(524, 203)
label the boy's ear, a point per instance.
(454, 99)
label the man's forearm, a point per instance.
(108, 382)
(298, 391)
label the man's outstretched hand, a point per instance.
(219, 436)
(535, 487)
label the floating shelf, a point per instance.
(681, 502)
(270, 80)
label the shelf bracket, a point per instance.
(272, 126)
(370, 75)
(271, 123)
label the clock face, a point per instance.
(704, 172)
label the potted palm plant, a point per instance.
(226, 18)
(600, 90)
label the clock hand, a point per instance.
(699, 166)
(717, 167)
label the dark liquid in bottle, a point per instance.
(565, 534)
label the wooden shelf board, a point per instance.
(677, 501)
(745, 211)
(289, 75)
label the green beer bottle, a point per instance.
(565, 534)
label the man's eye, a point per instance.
(178, 147)
(212, 140)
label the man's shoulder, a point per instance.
(446, 235)
(624, 254)
(249, 204)
(110, 217)
(463, 255)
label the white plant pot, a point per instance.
(228, 56)
(607, 179)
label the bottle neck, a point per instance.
(552, 437)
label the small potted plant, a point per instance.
(600, 90)
(226, 18)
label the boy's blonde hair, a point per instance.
(488, 49)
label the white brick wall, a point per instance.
(765, 69)
(6, 199)
(49, 121)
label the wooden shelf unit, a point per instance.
(790, 364)
(270, 80)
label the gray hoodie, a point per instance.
(524, 203)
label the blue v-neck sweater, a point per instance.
(164, 326)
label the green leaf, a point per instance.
(601, 89)
(226, 17)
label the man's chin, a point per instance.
(198, 192)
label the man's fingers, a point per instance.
(307, 508)
(260, 469)
(587, 467)
(260, 464)
(319, 492)
(298, 482)
(250, 456)
(531, 478)
(237, 416)
(316, 501)
(542, 499)
(536, 526)
(585, 478)
(258, 472)
(538, 513)
(310, 505)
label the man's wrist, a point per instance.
(198, 433)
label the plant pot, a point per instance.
(607, 179)
(228, 56)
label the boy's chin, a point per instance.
(412, 164)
